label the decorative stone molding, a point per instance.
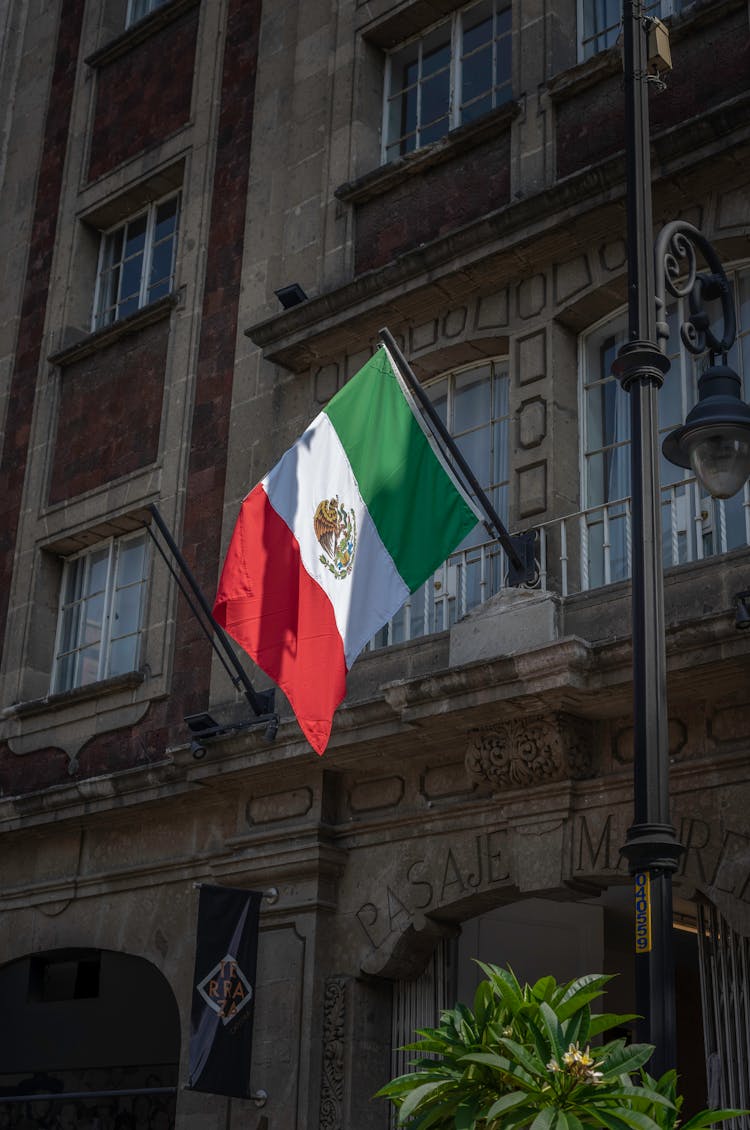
(332, 1085)
(519, 752)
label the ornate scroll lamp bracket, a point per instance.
(676, 272)
(715, 439)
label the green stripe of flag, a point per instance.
(420, 515)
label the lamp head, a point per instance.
(715, 438)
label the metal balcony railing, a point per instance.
(576, 553)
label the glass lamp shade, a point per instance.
(720, 459)
(715, 438)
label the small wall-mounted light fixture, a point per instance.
(290, 295)
(742, 617)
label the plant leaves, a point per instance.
(507, 1102)
(624, 1060)
(601, 1021)
(708, 1117)
(554, 1032)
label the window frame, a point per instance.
(151, 6)
(454, 23)
(610, 514)
(60, 685)
(100, 318)
(610, 32)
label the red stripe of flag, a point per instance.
(272, 607)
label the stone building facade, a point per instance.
(165, 167)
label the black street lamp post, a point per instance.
(719, 426)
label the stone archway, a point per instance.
(95, 1031)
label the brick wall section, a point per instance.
(591, 124)
(201, 533)
(426, 206)
(110, 413)
(144, 95)
(36, 285)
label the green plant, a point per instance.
(523, 1058)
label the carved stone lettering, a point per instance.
(474, 862)
(596, 845)
(518, 752)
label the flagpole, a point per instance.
(519, 547)
(261, 701)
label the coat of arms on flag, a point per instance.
(367, 485)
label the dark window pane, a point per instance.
(124, 309)
(161, 264)
(131, 277)
(477, 74)
(436, 51)
(476, 35)
(476, 109)
(502, 68)
(166, 219)
(434, 132)
(135, 240)
(435, 100)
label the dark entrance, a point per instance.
(90, 1038)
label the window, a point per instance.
(136, 262)
(450, 75)
(599, 21)
(101, 612)
(137, 9)
(474, 404)
(687, 519)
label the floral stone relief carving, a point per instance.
(520, 752)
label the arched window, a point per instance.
(473, 403)
(693, 525)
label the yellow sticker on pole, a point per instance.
(642, 912)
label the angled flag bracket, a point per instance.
(520, 548)
(203, 726)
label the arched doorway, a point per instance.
(90, 1038)
(537, 937)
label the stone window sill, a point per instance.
(139, 32)
(53, 702)
(609, 62)
(107, 336)
(381, 180)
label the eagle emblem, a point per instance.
(336, 530)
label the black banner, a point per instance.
(221, 1024)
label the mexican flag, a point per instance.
(327, 547)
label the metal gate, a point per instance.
(725, 989)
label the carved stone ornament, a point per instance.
(332, 1085)
(519, 752)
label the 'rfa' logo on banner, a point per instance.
(226, 989)
(221, 1020)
